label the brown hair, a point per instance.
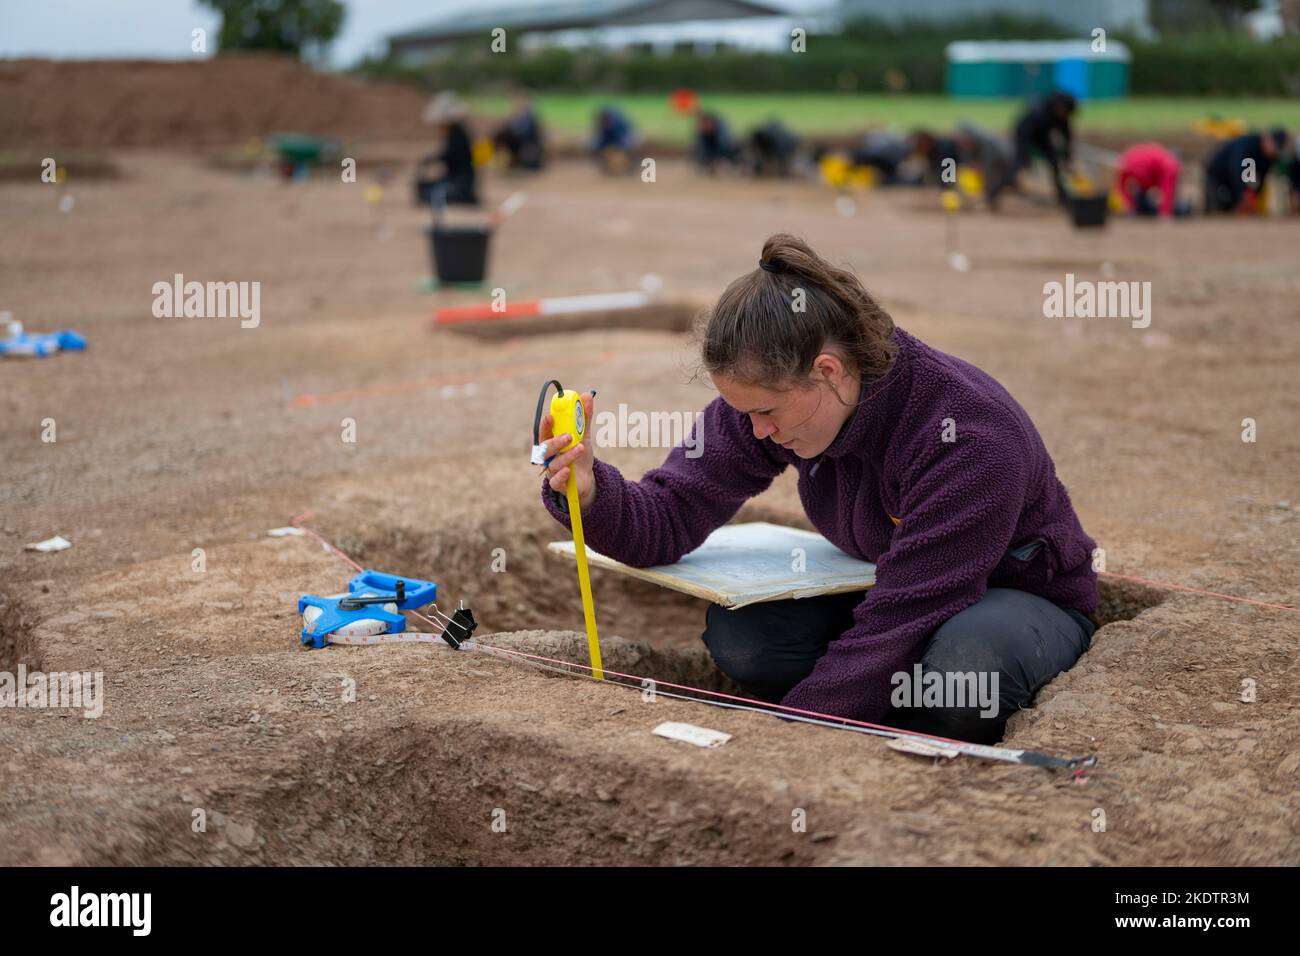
(755, 334)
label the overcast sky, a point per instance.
(160, 29)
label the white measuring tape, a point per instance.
(367, 631)
(405, 637)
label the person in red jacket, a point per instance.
(1143, 168)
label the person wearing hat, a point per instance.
(1235, 173)
(905, 456)
(449, 173)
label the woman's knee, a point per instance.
(1021, 636)
(734, 647)
(771, 646)
(975, 725)
(987, 662)
(744, 653)
(964, 700)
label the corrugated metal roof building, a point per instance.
(660, 25)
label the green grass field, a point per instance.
(570, 115)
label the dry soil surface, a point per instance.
(181, 434)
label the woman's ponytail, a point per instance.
(770, 324)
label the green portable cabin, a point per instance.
(1034, 68)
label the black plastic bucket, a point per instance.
(1088, 211)
(459, 252)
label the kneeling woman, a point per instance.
(907, 457)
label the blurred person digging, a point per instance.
(1145, 169)
(613, 141)
(448, 173)
(520, 138)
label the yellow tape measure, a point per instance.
(568, 416)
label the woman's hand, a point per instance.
(580, 459)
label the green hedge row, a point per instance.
(1216, 65)
(863, 59)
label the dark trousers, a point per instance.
(1024, 639)
(1025, 148)
(1222, 193)
(710, 153)
(525, 151)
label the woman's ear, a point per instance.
(831, 368)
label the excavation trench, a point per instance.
(427, 787)
(539, 591)
(17, 647)
(658, 317)
(455, 791)
(450, 792)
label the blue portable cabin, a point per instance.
(1034, 68)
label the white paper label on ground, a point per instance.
(285, 532)
(57, 543)
(700, 736)
(924, 748)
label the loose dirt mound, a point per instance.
(216, 102)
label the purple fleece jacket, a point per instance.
(937, 517)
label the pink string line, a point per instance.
(325, 544)
(746, 700)
(1191, 590)
(698, 690)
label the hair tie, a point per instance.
(766, 266)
